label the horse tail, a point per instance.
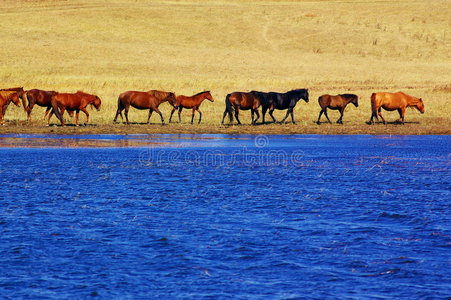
(56, 110)
(229, 107)
(373, 103)
(24, 101)
(374, 106)
(119, 103)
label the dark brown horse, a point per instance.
(393, 101)
(38, 97)
(73, 102)
(143, 100)
(338, 102)
(281, 101)
(244, 101)
(191, 102)
(6, 97)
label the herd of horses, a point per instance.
(57, 103)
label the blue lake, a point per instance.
(227, 217)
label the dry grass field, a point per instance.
(185, 46)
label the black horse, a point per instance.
(281, 101)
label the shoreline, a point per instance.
(266, 129)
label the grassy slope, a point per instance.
(106, 47)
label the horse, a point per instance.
(393, 101)
(143, 100)
(338, 102)
(41, 98)
(20, 92)
(192, 102)
(6, 97)
(244, 101)
(73, 102)
(281, 101)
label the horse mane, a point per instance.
(348, 96)
(201, 93)
(13, 89)
(297, 91)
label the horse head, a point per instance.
(303, 94)
(15, 98)
(420, 105)
(355, 100)
(96, 102)
(172, 100)
(209, 96)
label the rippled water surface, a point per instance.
(218, 217)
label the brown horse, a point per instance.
(143, 100)
(19, 90)
(73, 102)
(192, 102)
(240, 100)
(393, 101)
(338, 102)
(6, 97)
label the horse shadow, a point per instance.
(72, 125)
(392, 123)
(139, 123)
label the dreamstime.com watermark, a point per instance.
(256, 155)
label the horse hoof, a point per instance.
(319, 123)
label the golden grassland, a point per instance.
(107, 47)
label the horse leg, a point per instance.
(258, 116)
(319, 117)
(223, 116)
(170, 117)
(47, 110)
(237, 112)
(286, 116)
(401, 115)
(126, 114)
(76, 117)
(264, 109)
(192, 115)
(200, 115)
(325, 113)
(180, 114)
(86, 112)
(373, 114)
(252, 116)
(63, 109)
(28, 109)
(271, 111)
(340, 119)
(50, 116)
(292, 116)
(161, 115)
(380, 115)
(118, 113)
(148, 116)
